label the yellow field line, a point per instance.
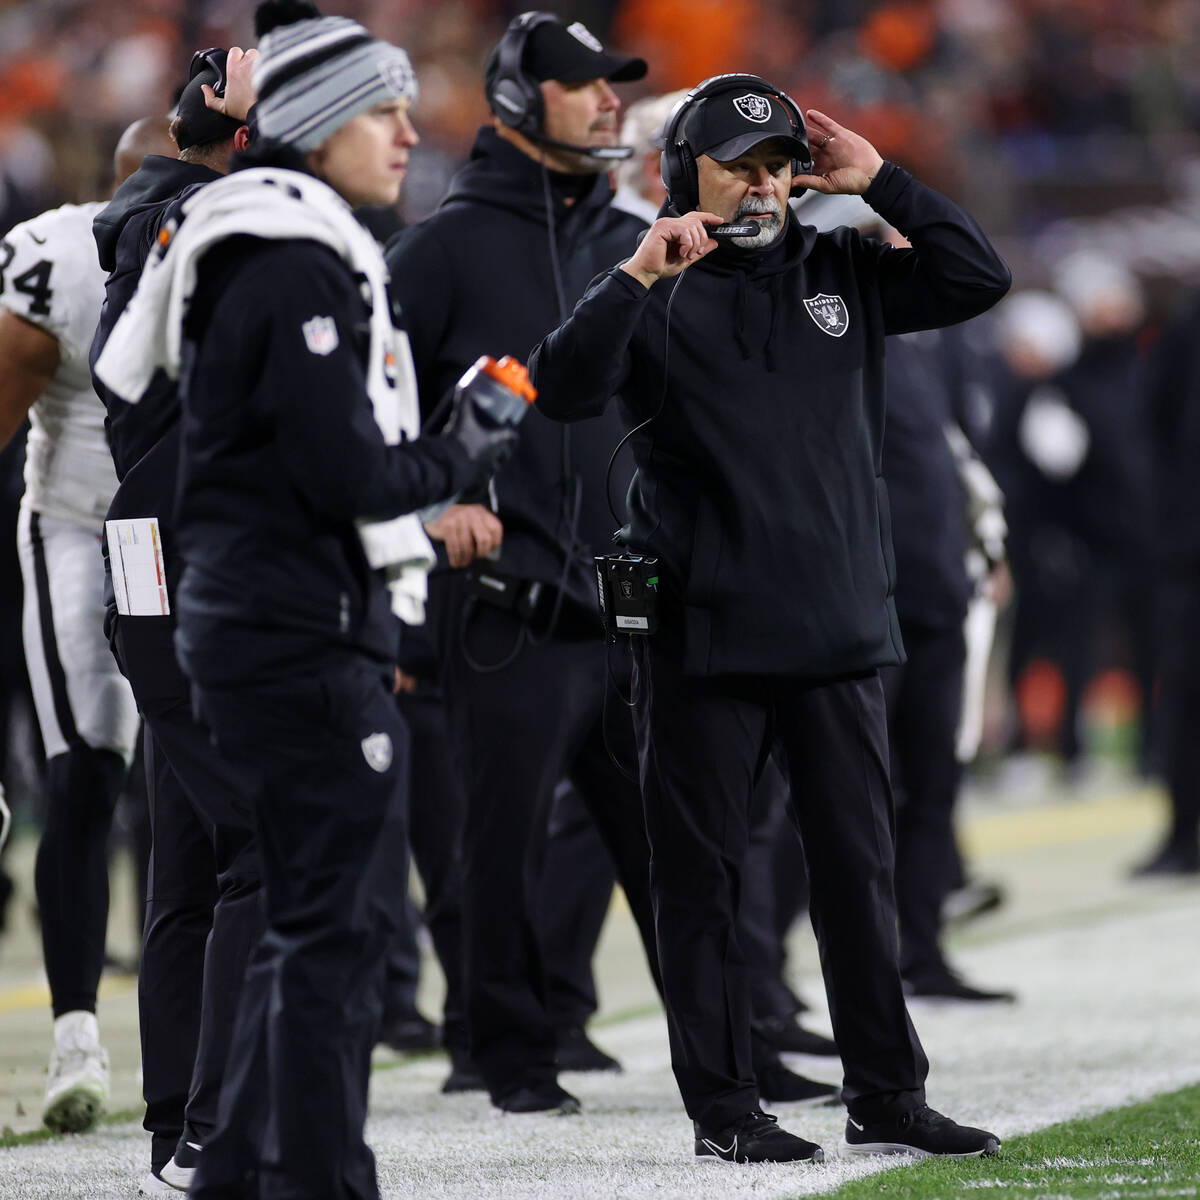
(1063, 824)
(37, 995)
(983, 833)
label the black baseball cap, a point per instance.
(728, 124)
(573, 54)
(198, 124)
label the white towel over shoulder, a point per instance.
(273, 203)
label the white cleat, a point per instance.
(77, 1087)
(176, 1174)
(156, 1185)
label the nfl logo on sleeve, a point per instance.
(320, 335)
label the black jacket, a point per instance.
(281, 456)
(929, 505)
(759, 483)
(1105, 504)
(125, 232)
(1173, 402)
(143, 437)
(476, 277)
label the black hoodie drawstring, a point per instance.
(739, 327)
(775, 299)
(776, 304)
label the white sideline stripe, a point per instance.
(1108, 1017)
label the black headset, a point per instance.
(213, 59)
(678, 163)
(514, 97)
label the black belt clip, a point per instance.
(506, 592)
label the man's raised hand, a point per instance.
(239, 91)
(670, 246)
(843, 162)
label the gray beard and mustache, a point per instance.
(769, 228)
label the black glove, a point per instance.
(487, 443)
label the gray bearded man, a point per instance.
(756, 385)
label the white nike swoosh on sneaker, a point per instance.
(731, 1149)
(197, 1147)
(855, 1124)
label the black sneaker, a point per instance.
(1172, 859)
(944, 984)
(756, 1138)
(786, 1035)
(922, 1133)
(577, 1052)
(464, 1074)
(409, 1033)
(970, 901)
(781, 1086)
(543, 1098)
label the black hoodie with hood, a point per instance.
(143, 437)
(478, 277)
(125, 232)
(759, 483)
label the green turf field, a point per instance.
(1142, 1151)
(1092, 1079)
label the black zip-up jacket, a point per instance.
(125, 233)
(759, 483)
(476, 277)
(143, 437)
(281, 456)
(929, 506)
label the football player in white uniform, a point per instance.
(51, 289)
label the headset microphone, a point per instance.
(728, 230)
(604, 153)
(743, 229)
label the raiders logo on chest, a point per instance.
(829, 313)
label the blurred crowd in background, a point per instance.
(1069, 128)
(1031, 112)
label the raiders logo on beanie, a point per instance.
(316, 73)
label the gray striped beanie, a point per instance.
(313, 76)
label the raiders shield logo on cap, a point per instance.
(829, 312)
(377, 750)
(754, 108)
(581, 33)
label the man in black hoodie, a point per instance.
(759, 490)
(204, 872)
(527, 223)
(301, 467)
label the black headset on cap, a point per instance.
(515, 96)
(213, 59)
(678, 162)
(199, 125)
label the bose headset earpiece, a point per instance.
(514, 97)
(678, 161)
(212, 59)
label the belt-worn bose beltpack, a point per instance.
(628, 588)
(505, 591)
